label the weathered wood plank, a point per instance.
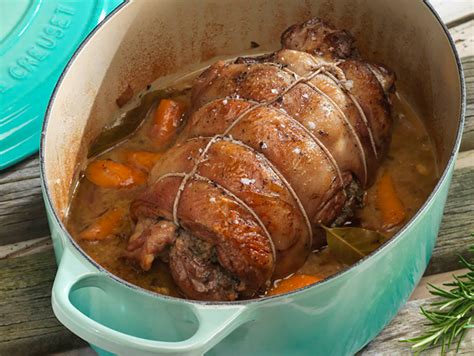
(467, 142)
(25, 248)
(22, 212)
(465, 159)
(27, 322)
(458, 223)
(453, 11)
(84, 351)
(463, 37)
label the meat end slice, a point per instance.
(229, 244)
(150, 239)
(319, 38)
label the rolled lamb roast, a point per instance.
(273, 147)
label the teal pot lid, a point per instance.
(37, 39)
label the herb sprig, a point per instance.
(450, 317)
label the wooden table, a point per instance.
(27, 265)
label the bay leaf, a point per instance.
(350, 244)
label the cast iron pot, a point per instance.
(145, 40)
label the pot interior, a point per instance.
(146, 40)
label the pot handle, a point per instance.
(215, 321)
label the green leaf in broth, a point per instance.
(129, 123)
(350, 244)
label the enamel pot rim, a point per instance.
(386, 245)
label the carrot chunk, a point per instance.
(110, 174)
(388, 202)
(294, 282)
(166, 121)
(143, 160)
(107, 224)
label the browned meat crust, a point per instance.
(274, 146)
(319, 38)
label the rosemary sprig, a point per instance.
(451, 317)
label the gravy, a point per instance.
(410, 162)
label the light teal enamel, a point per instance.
(336, 317)
(37, 39)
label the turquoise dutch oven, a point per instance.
(36, 40)
(145, 40)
